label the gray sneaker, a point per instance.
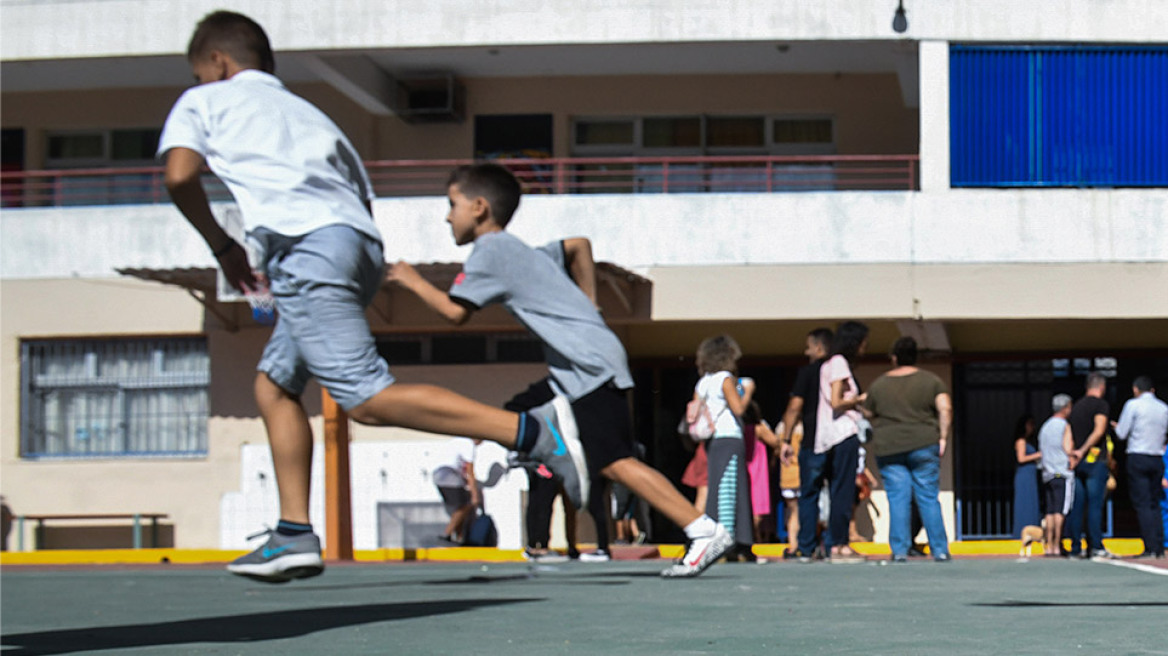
(700, 554)
(281, 559)
(558, 446)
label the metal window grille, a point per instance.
(114, 398)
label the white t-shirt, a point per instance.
(831, 427)
(455, 454)
(289, 167)
(709, 389)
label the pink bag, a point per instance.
(699, 424)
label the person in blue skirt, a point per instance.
(1026, 505)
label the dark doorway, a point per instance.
(508, 136)
(989, 398)
(11, 160)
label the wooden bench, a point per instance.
(135, 517)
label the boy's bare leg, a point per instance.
(437, 410)
(648, 484)
(290, 437)
(458, 521)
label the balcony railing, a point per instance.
(576, 175)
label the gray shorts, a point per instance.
(322, 283)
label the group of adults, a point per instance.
(904, 419)
(1073, 451)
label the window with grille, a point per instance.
(114, 398)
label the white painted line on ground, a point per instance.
(1137, 566)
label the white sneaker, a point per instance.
(600, 556)
(701, 553)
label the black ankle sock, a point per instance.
(528, 432)
(285, 527)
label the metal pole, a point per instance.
(137, 531)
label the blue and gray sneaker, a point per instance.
(281, 559)
(558, 446)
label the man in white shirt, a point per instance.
(1143, 423)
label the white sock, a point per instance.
(701, 527)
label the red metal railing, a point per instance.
(575, 175)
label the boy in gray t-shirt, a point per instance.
(587, 362)
(1056, 443)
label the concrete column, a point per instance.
(934, 62)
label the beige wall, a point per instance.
(187, 489)
(871, 116)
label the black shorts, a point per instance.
(602, 417)
(1060, 492)
(454, 498)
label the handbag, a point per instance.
(698, 423)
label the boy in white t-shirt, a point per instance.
(455, 480)
(305, 200)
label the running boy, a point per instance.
(305, 200)
(587, 362)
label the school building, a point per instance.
(986, 175)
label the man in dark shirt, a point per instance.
(1089, 421)
(803, 406)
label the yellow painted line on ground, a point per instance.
(1118, 546)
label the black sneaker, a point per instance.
(281, 559)
(558, 446)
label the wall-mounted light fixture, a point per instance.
(900, 19)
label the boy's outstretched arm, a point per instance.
(404, 275)
(581, 266)
(183, 167)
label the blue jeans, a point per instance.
(838, 466)
(1090, 495)
(908, 475)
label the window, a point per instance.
(701, 135)
(460, 348)
(104, 149)
(112, 398)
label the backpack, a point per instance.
(698, 422)
(482, 532)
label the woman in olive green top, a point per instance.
(912, 417)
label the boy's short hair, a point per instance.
(235, 35)
(822, 336)
(495, 183)
(905, 351)
(720, 353)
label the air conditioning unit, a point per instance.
(431, 98)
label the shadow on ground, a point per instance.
(1070, 604)
(233, 628)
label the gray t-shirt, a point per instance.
(582, 352)
(1050, 443)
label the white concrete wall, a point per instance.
(680, 230)
(152, 27)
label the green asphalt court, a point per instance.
(968, 606)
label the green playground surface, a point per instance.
(973, 605)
